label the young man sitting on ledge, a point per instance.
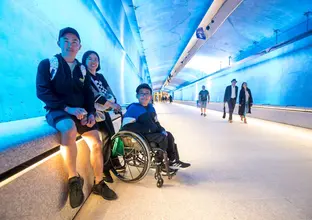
(63, 85)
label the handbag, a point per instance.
(99, 102)
(224, 112)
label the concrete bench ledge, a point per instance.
(38, 191)
(23, 140)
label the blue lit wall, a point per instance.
(29, 31)
(282, 77)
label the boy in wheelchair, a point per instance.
(142, 118)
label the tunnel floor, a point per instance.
(261, 170)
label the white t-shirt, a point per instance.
(233, 94)
(247, 95)
(72, 66)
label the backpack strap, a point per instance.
(54, 64)
(93, 84)
(83, 70)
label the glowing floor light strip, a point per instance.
(17, 175)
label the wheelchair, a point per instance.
(138, 157)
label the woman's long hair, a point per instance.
(243, 85)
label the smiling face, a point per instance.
(69, 44)
(144, 96)
(92, 62)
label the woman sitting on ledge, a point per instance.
(103, 95)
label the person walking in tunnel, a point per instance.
(63, 85)
(105, 101)
(142, 118)
(230, 97)
(245, 102)
(203, 97)
(170, 98)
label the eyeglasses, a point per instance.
(144, 94)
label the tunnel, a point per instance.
(225, 84)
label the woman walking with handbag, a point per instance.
(245, 102)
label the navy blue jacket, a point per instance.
(141, 119)
(64, 88)
(228, 93)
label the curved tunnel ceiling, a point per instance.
(166, 27)
(250, 26)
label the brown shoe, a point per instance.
(231, 121)
(245, 120)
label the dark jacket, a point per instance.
(65, 88)
(228, 93)
(242, 101)
(143, 119)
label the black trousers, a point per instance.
(107, 129)
(231, 104)
(165, 143)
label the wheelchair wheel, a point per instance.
(135, 159)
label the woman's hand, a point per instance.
(115, 107)
(91, 121)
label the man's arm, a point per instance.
(225, 94)
(43, 87)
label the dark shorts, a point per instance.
(55, 116)
(203, 104)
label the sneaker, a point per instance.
(204, 115)
(177, 164)
(76, 197)
(164, 171)
(201, 113)
(103, 190)
(108, 177)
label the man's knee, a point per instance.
(67, 128)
